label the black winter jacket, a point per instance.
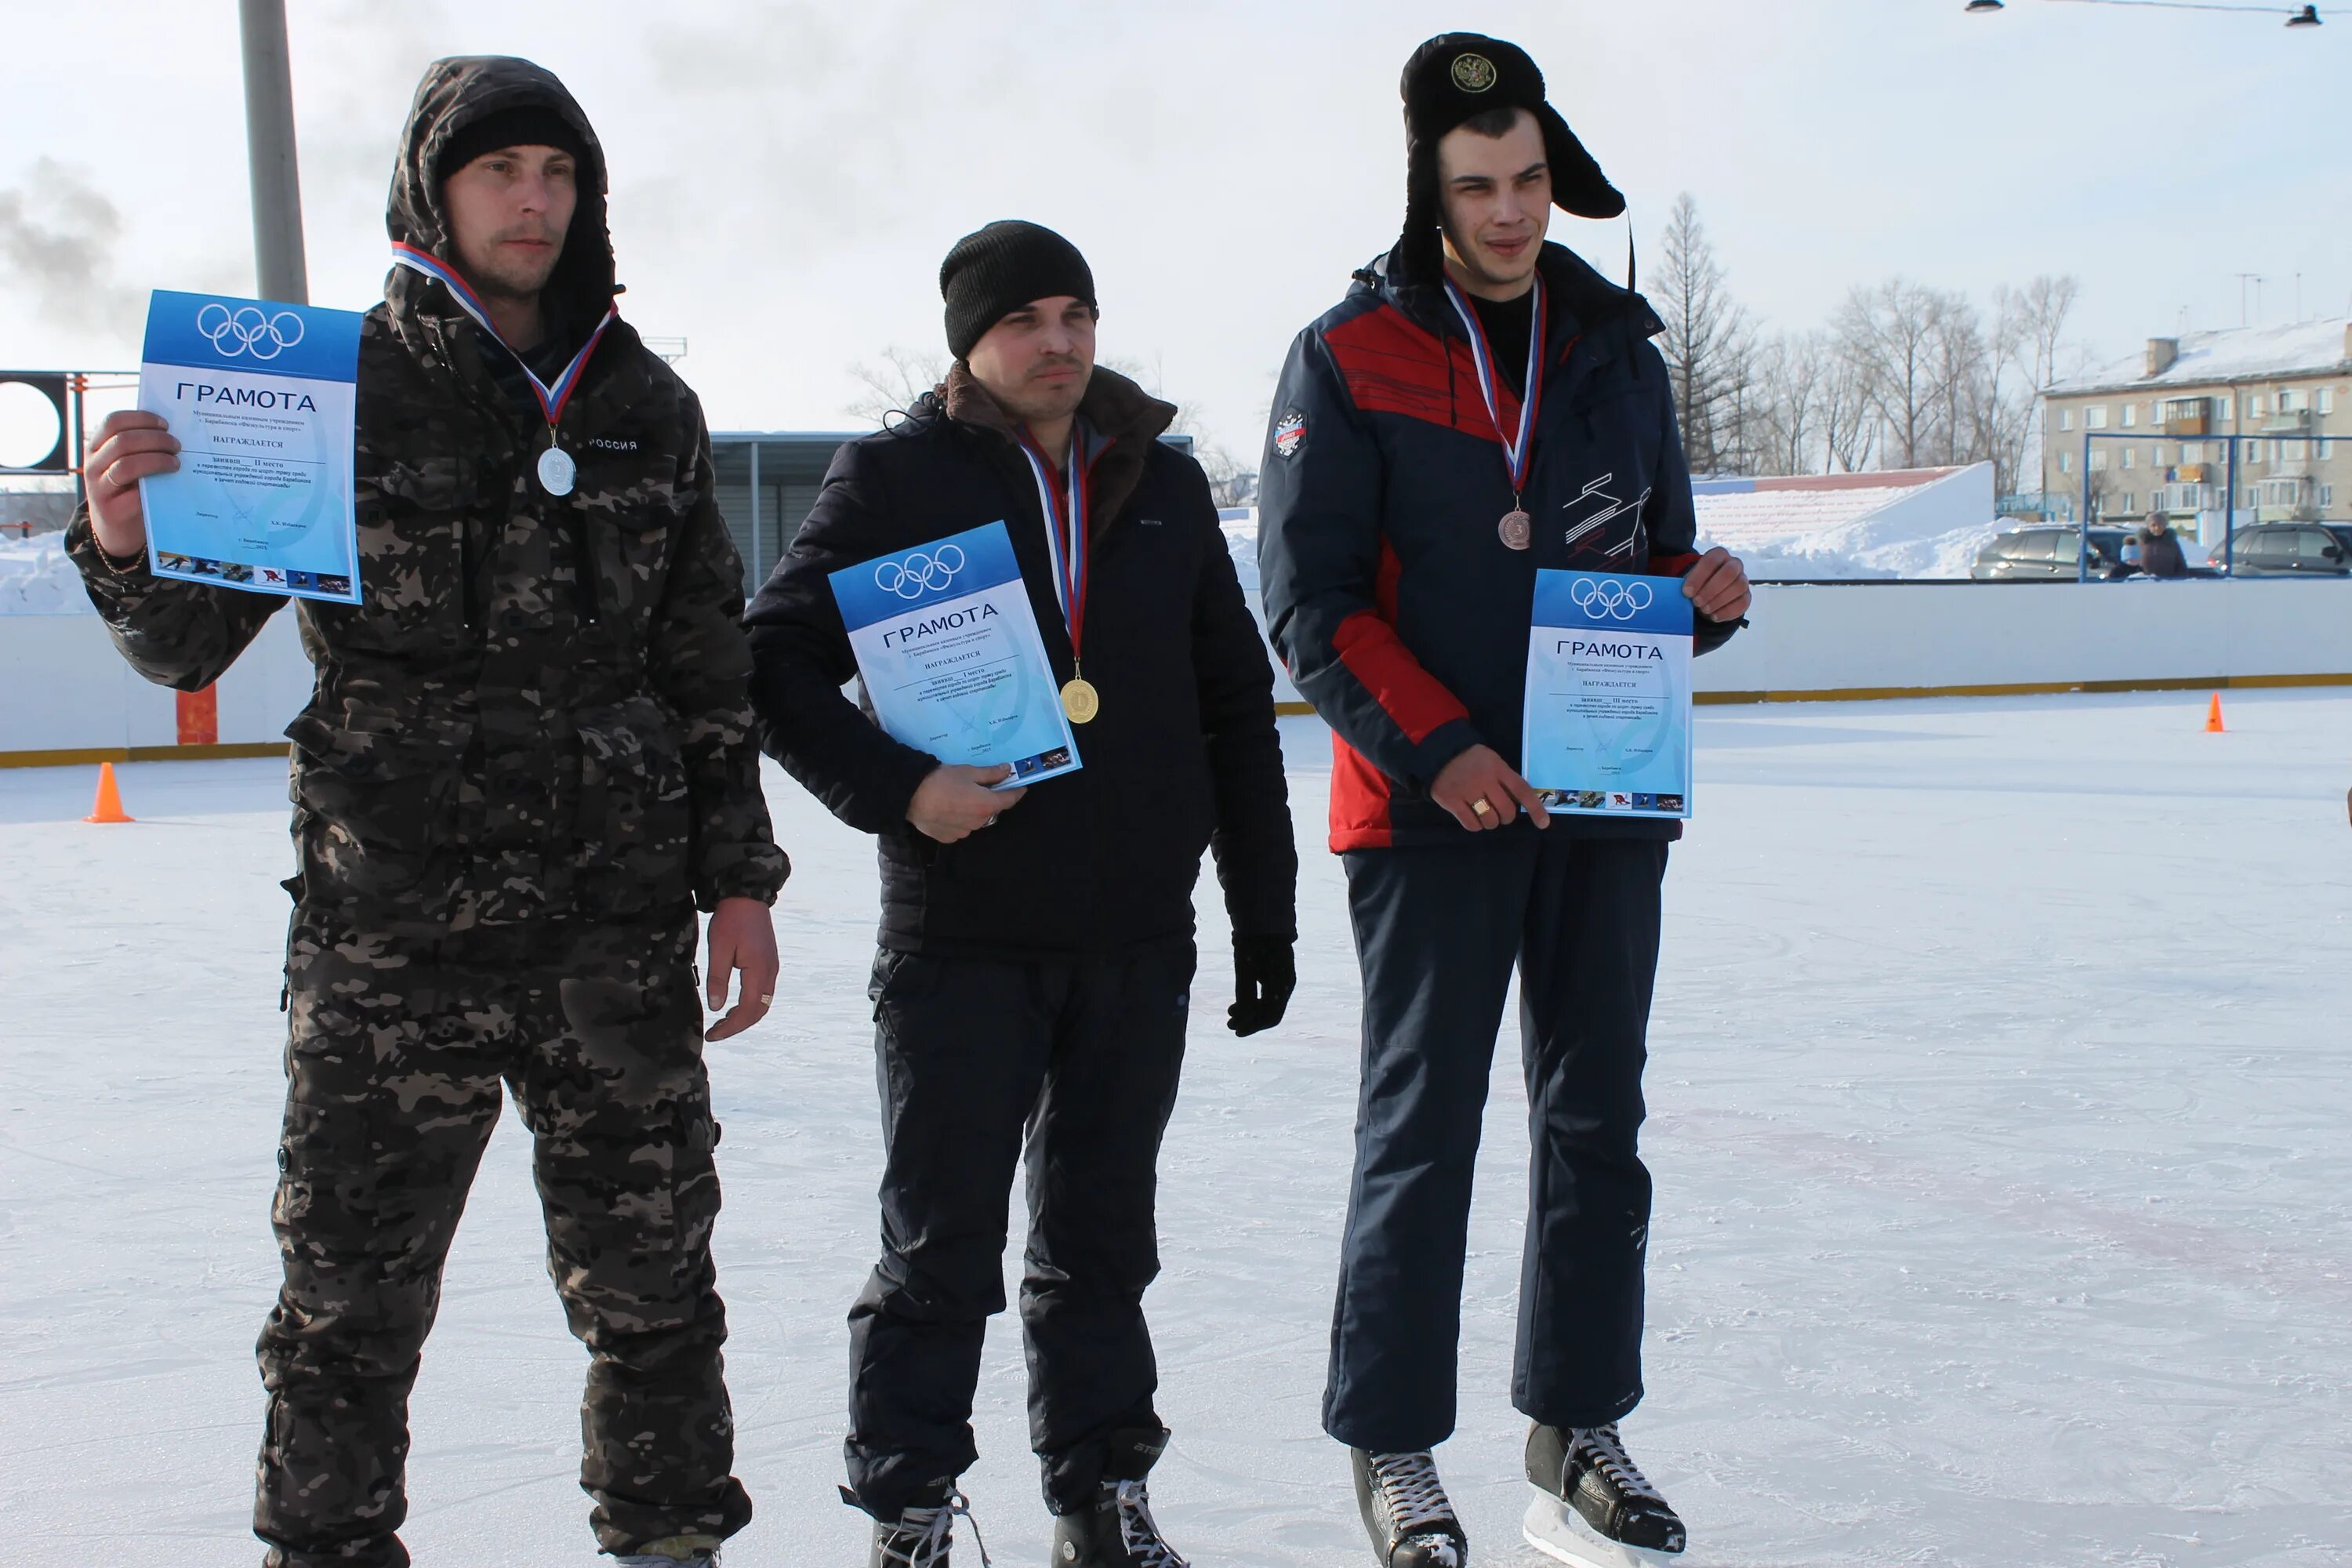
(1401, 614)
(1183, 757)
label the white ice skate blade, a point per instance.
(1552, 1528)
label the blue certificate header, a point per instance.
(950, 568)
(219, 331)
(1612, 601)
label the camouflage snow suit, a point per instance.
(527, 759)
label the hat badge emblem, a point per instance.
(1474, 73)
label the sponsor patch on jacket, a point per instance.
(1289, 432)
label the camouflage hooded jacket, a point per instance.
(539, 708)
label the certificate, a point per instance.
(952, 661)
(260, 397)
(1608, 720)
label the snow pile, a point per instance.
(37, 578)
(1851, 552)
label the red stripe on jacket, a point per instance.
(1393, 366)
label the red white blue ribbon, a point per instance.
(551, 398)
(1065, 531)
(1514, 452)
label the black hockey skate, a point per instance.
(919, 1537)
(1405, 1511)
(1116, 1531)
(1593, 1508)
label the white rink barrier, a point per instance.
(1851, 641)
(65, 696)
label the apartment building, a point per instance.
(2161, 418)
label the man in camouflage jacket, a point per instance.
(529, 759)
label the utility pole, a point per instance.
(280, 270)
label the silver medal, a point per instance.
(557, 472)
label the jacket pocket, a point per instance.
(377, 800)
(633, 838)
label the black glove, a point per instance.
(1266, 972)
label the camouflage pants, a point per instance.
(395, 1054)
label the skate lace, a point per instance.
(922, 1538)
(1604, 1450)
(1139, 1533)
(1417, 1503)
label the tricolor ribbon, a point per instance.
(551, 398)
(1066, 532)
(1514, 452)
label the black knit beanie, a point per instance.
(528, 126)
(1457, 77)
(990, 274)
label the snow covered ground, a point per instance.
(38, 578)
(2003, 1122)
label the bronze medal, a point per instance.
(1517, 529)
(1080, 700)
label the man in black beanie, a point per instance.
(1036, 957)
(1482, 405)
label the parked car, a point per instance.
(2289, 550)
(2047, 554)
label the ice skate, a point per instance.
(919, 1537)
(1406, 1513)
(1118, 1530)
(1593, 1508)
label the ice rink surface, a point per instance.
(2002, 1116)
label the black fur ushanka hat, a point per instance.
(1455, 77)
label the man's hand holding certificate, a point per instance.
(953, 664)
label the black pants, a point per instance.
(1081, 1059)
(1437, 931)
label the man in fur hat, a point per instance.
(1480, 405)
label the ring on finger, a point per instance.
(1482, 808)
(769, 1000)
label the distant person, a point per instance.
(527, 760)
(1407, 506)
(1036, 958)
(2159, 548)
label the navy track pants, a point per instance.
(1073, 1066)
(1437, 932)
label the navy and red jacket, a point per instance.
(1390, 595)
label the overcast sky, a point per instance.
(786, 177)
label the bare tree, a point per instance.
(1707, 343)
(895, 382)
(1888, 335)
(2036, 319)
(1850, 422)
(1792, 379)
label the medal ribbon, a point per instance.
(551, 399)
(1514, 452)
(1067, 545)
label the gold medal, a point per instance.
(1080, 700)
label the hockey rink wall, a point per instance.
(65, 696)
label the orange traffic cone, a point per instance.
(108, 807)
(2213, 725)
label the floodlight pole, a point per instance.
(279, 271)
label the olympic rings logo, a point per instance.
(1609, 598)
(918, 574)
(248, 331)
